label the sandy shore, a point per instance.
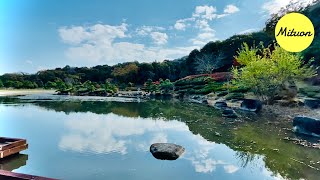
(16, 92)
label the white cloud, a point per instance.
(248, 31)
(230, 9)
(105, 44)
(204, 37)
(206, 33)
(159, 38)
(200, 19)
(230, 169)
(203, 25)
(206, 12)
(96, 34)
(146, 30)
(180, 25)
(125, 51)
(274, 6)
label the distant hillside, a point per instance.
(215, 56)
(313, 13)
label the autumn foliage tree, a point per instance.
(127, 72)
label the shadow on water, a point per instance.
(249, 135)
(13, 162)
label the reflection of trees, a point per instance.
(245, 158)
(8, 100)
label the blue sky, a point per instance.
(37, 34)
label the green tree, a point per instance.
(35, 85)
(166, 86)
(50, 84)
(60, 85)
(148, 85)
(8, 84)
(1, 84)
(266, 74)
(154, 88)
(17, 84)
(28, 85)
(89, 86)
(110, 88)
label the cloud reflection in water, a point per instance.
(104, 134)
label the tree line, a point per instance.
(218, 56)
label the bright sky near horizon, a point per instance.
(37, 35)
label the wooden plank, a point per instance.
(6, 143)
(9, 144)
(13, 150)
(18, 176)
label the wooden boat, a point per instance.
(7, 175)
(9, 146)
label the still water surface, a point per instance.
(81, 139)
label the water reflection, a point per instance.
(105, 134)
(121, 134)
(13, 162)
(112, 133)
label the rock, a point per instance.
(220, 105)
(166, 151)
(312, 103)
(205, 102)
(229, 113)
(251, 105)
(306, 125)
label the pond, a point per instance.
(85, 138)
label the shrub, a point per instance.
(110, 88)
(266, 74)
(166, 86)
(234, 96)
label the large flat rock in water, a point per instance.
(166, 151)
(306, 125)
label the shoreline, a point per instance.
(21, 92)
(276, 109)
